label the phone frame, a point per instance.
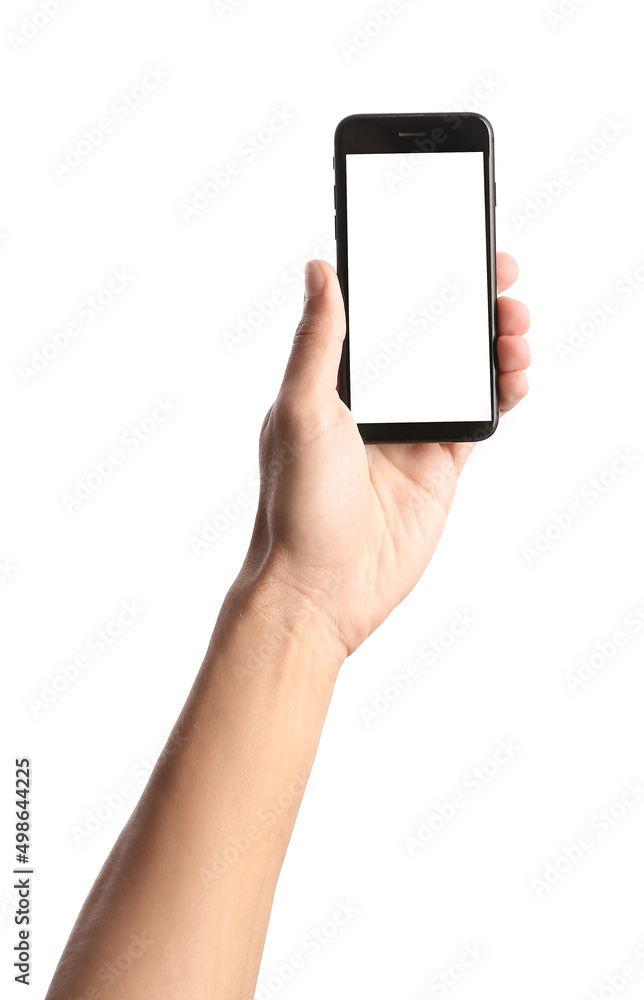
(457, 132)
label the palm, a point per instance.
(412, 487)
(361, 524)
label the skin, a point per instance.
(343, 533)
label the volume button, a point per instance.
(335, 197)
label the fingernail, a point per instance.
(314, 280)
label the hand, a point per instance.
(351, 527)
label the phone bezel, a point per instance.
(375, 133)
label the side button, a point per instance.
(335, 197)
(335, 219)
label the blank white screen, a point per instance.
(418, 298)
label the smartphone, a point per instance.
(415, 201)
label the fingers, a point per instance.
(513, 321)
(513, 351)
(312, 367)
(513, 386)
(513, 354)
(507, 271)
(513, 317)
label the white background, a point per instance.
(550, 90)
(418, 242)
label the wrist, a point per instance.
(276, 627)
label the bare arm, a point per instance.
(343, 533)
(187, 891)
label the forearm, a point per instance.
(193, 873)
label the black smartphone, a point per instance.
(416, 259)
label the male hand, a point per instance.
(348, 527)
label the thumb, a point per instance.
(317, 346)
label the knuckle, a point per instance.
(298, 418)
(287, 414)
